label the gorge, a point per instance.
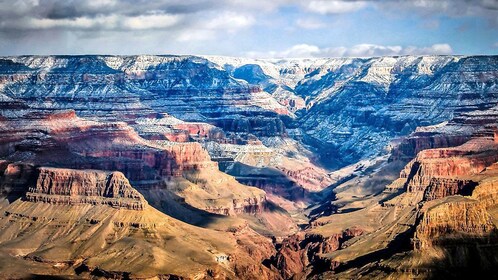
(211, 167)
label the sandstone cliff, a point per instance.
(66, 186)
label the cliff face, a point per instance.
(452, 219)
(438, 219)
(365, 106)
(124, 88)
(67, 186)
(90, 223)
(301, 252)
(65, 140)
(455, 193)
(352, 107)
(443, 187)
(251, 96)
(466, 160)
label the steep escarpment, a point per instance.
(124, 88)
(345, 109)
(77, 223)
(438, 219)
(456, 217)
(302, 253)
(368, 102)
(468, 159)
(66, 186)
(184, 169)
(451, 191)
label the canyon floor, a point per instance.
(188, 167)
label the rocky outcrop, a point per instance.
(300, 251)
(250, 96)
(444, 220)
(69, 186)
(127, 88)
(65, 140)
(466, 160)
(443, 187)
(79, 222)
(123, 120)
(487, 192)
(407, 148)
(168, 159)
(251, 205)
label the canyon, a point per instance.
(208, 167)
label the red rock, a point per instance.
(469, 159)
(461, 216)
(69, 186)
(443, 187)
(300, 250)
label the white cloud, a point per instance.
(365, 50)
(309, 23)
(434, 49)
(230, 21)
(196, 35)
(228, 27)
(301, 50)
(334, 7)
(213, 26)
(143, 22)
(361, 50)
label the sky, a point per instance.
(249, 28)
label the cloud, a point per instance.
(28, 15)
(194, 20)
(109, 22)
(230, 21)
(229, 27)
(334, 7)
(361, 50)
(309, 23)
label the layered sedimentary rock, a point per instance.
(452, 218)
(77, 223)
(67, 186)
(443, 187)
(304, 251)
(455, 132)
(188, 87)
(438, 219)
(449, 163)
(369, 101)
(250, 96)
(271, 124)
(66, 140)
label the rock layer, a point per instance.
(66, 186)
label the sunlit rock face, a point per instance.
(68, 186)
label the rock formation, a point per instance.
(67, 186)
(78, 223)
(386, 164)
